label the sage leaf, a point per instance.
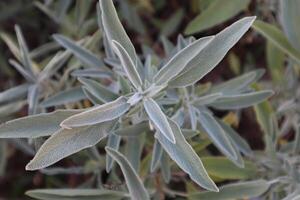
(135, 186)
(128, 65)
(186, 158)
(14, 93)
(274, 35)
(66, 142)
(134, 149)
(27, 75)
(178, 62)
(114, 30)
(76, 194)
(98, 90)
(133, 130)
(98, 114)
(217, 134)
(207, 99)
(82, 54)
(64, 97)
(32, 99)
(156, 156)
(114, 143)
(241, 100)
(34, 126)
(159, 119)
(242, 190)
(216, 13)
(212, 54)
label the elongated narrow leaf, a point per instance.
(68, 96)
(14, 93)
(135, 186)
(180, 60)
(274, 35)
(33, 99)
(241, 82)
(133, 130)
(76, 194)
(128, 65)
(156, 155)
(217, 134)
(35, 125)
(216, 13)
(27, 75)
(186, 158)
(11, 108)
(82, 54)
(98, 90)
(242, 100)
(221, 167)
(207, 99)
(114, 29)
(114, 143)
(66, 142)
(134, 149)
(98, 114)
(212, 54)
(289, 15)
(159, 119)
(243, 190)
(91, 73)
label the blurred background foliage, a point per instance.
(273, 44)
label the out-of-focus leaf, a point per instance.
(165, 167)
(114, 29)
(98, 114)
(159, 119)
(34, 126)
(76, 194)
(135, 186)
(3, 157)
(33, 99)
(156, 155)
(14, 93)
(82, 54)
(275, 60)
(216, 13)
(289, 15)
(128, 65)
(114, 143)
(223, 168)
(241, 100)
(25, 73)
(212, 54)
(274, 35)
(207, 99)
(134, 149)
(66, 142)
(172, 23)
(133, 130)
(242, 190)
(180, 60)
(68, 96)
(217, 135)
(11, 108)
(186, 158)
(98, 90)
(92, 73)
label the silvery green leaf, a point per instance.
(217, 134)
(98, 114)
(91, 97)
(3, 156)
(241, 100)
(239, 83)
(193, 118)
(98, 90)
(66, 142)
(240, 190)
(14, 93)
(32, 99)
(35, 125)
(11, 108)
(186, 158)
(82, 54)
(178, 62)
(172, 23)
(207, 99)
(128, 65)
(133, 130)
(114, 30)
(134, 149)
(238, 141)
(44, 49)
(189, 133)
(276, 36)
(76, 194)
(61, 8)
(25, 57)
(91, 73)
(135, 186)
(297, 139)
(25, 73)
(289, 15)
(159, 119)
(156, 156)
(165, 167)
(216, 13)
(11, 45)
(212, 54)
(114, 143)
(167, 45)
(64, 97)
